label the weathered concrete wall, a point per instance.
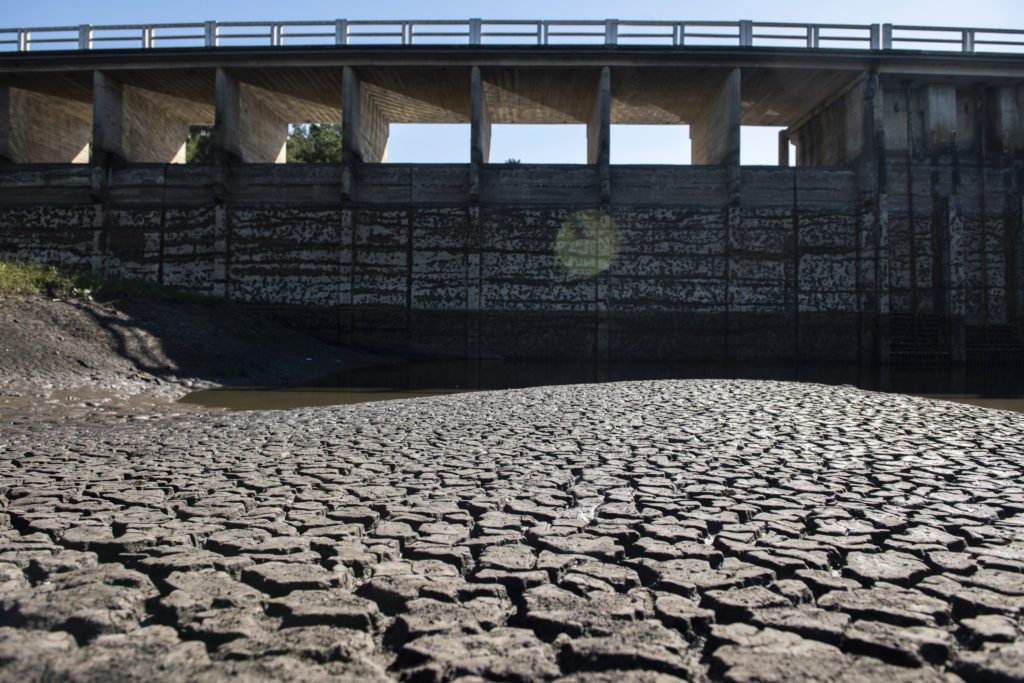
(669, 267)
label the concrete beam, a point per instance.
(715, 132)
(247, 126)
(42, 128)
(136, 125)
(480, 120)
(599, 127)
(364, 129)
(940, 125)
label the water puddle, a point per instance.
(991, 387)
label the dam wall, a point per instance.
(677, 262)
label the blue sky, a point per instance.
(630, 144)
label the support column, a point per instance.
(248, 129)
(1008, 119)
(136, 125)
(599, 133)
(784, 148)
(599, 125)
(364, 130)
(479, 132)
(939, 103)
(41, 128)
(715, 134)
(480, 120)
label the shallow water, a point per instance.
(990, 387)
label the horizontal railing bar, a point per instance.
(926, 40)
(555, 32)
(957, 29)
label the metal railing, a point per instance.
(471, 32)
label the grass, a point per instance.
(17, 277)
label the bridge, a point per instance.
(893, 234)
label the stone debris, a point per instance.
(643, 531)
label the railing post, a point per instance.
(810, 36)
(475, 31)
(275, 35)
(542, 33)
(967, 40)
(84, 37)
(341, 32)
(886, 36)
(24, 41)
(211, 34)
(611, 32)
(875, 39)
(746, 33)
(815, 36)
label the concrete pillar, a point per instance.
(784, 148)
(136, 125)
(1008, 118)
(715, 133)
(939, 104)
(247, 127)
(480, 120)
(600, 123)
(42, 128)
(364, 130)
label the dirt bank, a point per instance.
(149, 351)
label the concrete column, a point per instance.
(939, 104)
(1008, 118)
(247, 127)
(136, 125)
(715, 134)
(784, 148)
(364, 130)
(480, 120)
(600, 124)
(42, 128)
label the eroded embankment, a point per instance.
(724, 529)
(74, 356)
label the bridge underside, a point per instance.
(897, 236)
(138, 106)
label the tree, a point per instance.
(199, 146)
(314, 143)
(307, 143)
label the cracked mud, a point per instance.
(644, 531)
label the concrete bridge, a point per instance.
(896, 236)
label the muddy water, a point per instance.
(1001, 388)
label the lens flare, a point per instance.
(587, 243)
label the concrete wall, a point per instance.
(668, 268)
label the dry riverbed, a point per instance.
(655, 530)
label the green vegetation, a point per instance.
(311, 143)
(25, 278)
(314, 143)
(199, 146)
(31, 278)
